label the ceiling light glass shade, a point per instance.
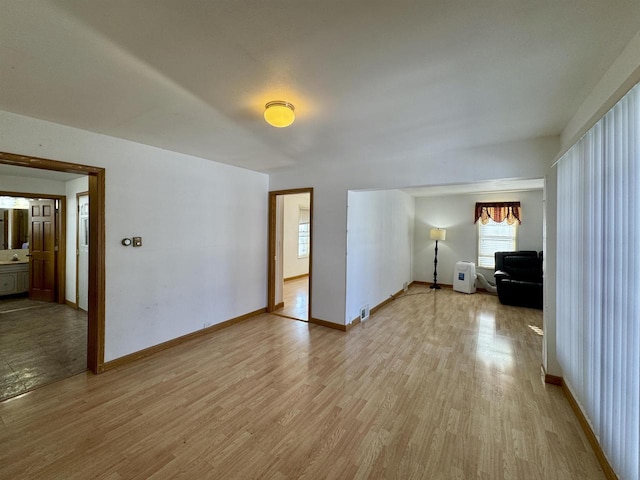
(279, 114)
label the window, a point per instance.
(303, 233)
(494, 237)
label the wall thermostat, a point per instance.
(126, 242)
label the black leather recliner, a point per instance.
(519, 278)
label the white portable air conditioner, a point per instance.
(464, 277)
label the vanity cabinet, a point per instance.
(14, 278)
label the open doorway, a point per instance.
(43, 339)
(290, 253)
(96, 244)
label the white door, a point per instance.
(82, 286)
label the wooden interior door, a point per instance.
(5, 229)
(42, 247)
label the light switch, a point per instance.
(137, 241)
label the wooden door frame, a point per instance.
(61, 234)
(78, 195)
(271, 269)
(96, 297)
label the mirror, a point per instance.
(15, 228)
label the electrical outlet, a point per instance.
(364, 313)
(405, 287)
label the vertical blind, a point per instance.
(598, 280)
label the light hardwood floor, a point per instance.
(40, 343)
(296, 299)
(436, 385)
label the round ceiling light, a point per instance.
(279, 114)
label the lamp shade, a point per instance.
(438, 234)
(279, 114)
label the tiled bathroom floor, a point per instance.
(40, 343)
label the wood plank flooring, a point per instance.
(40, 343)
(436, 385)
(296, 299)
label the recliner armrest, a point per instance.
(501, 275)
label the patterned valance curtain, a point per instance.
(509, 212)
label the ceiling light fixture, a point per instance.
(279, 114)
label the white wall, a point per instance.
(549, 352)
(72, 187)
(455, 213)
(526, 159)
(203, 224)
(293, 266)
(278, 276)
(623, 73)
(379, 247)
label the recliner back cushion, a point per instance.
(500, 256)
(523, 267)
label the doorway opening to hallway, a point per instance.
(290, 227)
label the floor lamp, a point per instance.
(437, 234)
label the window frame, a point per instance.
(304, 232)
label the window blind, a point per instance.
(598, 280)
(494, 237)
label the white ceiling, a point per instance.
(502, 186)
(370, 80)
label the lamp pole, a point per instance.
(435, 285)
